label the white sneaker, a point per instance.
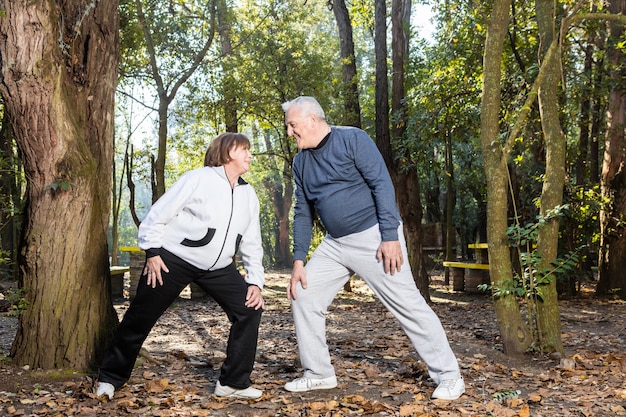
(449, 389)
(226, 391)
(104, 388)
(308, 384)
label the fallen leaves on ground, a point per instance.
(379, 373)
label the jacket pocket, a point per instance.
(202, 242)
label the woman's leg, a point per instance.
(144, 311)
(228, 288)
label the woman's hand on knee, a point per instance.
(154, 266)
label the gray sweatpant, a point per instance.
(329, 269)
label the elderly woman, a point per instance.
(191, 234)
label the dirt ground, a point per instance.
(379, 372)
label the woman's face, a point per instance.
(240, 158)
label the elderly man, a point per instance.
(340, 175)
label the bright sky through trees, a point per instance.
(422, 23)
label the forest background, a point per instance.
(505, 126)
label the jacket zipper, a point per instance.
(230, 219)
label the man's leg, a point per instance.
(400, 295)
(325, 276)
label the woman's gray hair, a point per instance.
(308, 105)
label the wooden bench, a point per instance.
(477, 274)
(119, 270)
(117, 279)
(464, 265)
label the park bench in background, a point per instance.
(467, 276)
(117, 280)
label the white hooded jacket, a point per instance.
(205, 222)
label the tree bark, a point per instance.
(450, 250)
(383, 141)
(59, 74)
(612, 262)
(409, 202)
(513, 330)
(548, 317)
(350, 84)
(229, 86)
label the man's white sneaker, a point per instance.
(104, 388)
(308, 384)
(449, 389)
(226, 391)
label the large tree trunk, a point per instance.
(350, 84)
(59, 73)
(513, 330)
(548, 318)
(406, 180)
(613, 233)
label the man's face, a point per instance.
(301, 127)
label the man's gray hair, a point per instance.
(308, 105)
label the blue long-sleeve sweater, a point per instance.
(345, 181)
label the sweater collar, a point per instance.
(323, 142)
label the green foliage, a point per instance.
(16, 297)
(506, 394)
(62, 184)
(533, 278)
(283, 48)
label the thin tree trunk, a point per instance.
(383, 141)
(450, 203)
(229, 86)
(613, 233)
(60, 99)
(280, 187)
(409, 202)
(548, 317)
(350, 84)
(513, 330)
(166, 97)
(584, 120)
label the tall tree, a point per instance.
(548, 318)
(229, 83)
(350, 83)
(383, 138)
(405, 179)
(173, 58)
(513, 330)
(612, 260)
(59, 73)
(284, 51)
